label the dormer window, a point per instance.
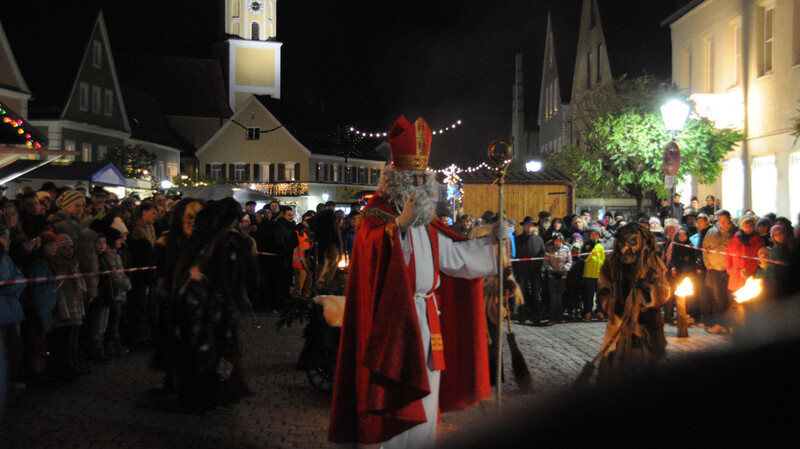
(253, 134)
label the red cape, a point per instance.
(381, 374)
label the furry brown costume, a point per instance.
(631, 288)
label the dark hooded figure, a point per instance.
(216, 276)
(632, 287)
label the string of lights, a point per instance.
(377, 135)
(17, 123)
(454, 170)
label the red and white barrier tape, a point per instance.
(728, 254)
(72, 276)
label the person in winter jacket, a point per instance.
(681, 263)
(68, 314)
(593, 261)
(741, 260)
(557, 263)
(528, 274)
(121, 285)
(11, 314)
(42, 298)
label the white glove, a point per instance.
(500, 230)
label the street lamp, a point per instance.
(166, 184)
(533, 166)
(674, 114)
(325, 196)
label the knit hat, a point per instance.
(112, 235)
(119, 225)
(69, 198)
(63, 241)
(558, 236)
(597, 229)
(577, 236)
(777, 227)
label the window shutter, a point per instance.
(281, 172)
(246, 172)
(231, 171)
(297, 171)
(208, 169)
(271, 172)
(256, 172)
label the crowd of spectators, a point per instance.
(558, 259)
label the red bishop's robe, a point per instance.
(381, 374)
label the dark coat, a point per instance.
(528, 246)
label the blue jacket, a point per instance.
(10, 307)
(43, 294)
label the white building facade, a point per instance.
(740, 60)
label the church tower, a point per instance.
(251, 56)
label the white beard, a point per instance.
(426, 206)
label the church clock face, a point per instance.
(256, 6)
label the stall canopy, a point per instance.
(96, 173)
(218, 192)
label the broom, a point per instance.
(589, 367)
(521, 373)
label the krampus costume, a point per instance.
(214, 281)
(631, 288)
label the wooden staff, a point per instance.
(500, 154)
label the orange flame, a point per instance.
(751, 289)
(685, 288)
(343, 262)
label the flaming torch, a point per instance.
(744, 296)
(684, 289)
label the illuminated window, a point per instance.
(735, 51)
(238, 172)
(764, 182)
(69, 145)
(216, 171)
(337, 173)
(733, 186)
(288, 171)
(86, 152)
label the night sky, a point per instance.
(365, 62)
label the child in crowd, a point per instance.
(101, 304)
(40, 306)
(11, 313)
(68, 314)
(557, 263)
(574, 285)
(595, 255)
(121, 285)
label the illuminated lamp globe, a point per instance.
(166, 184)
(325, 197)
(675, 113)
(533, 166)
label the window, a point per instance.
(265, 175)
(686, 67)
(374, 175)
(97, 100)
(254, 31)
(764, 183)
(97, 54)
(708, 63)
(337, 173)
(238, 172)
(362, 175)
(766, 34)
(735, 51)
(160, 170)
(796, 35)
(83, 100)
(733, 186)
(86, 152)
(102, 151)
(589, 69)
(320, 171)
(288, 171)
(554, 93)
(109, 103)
(216, 171)
(69, 145)
(253, 133)
(599, 73)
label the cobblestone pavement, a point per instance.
(121, 405)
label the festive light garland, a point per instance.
(455, 170)
(378, 135)
(17, 123)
